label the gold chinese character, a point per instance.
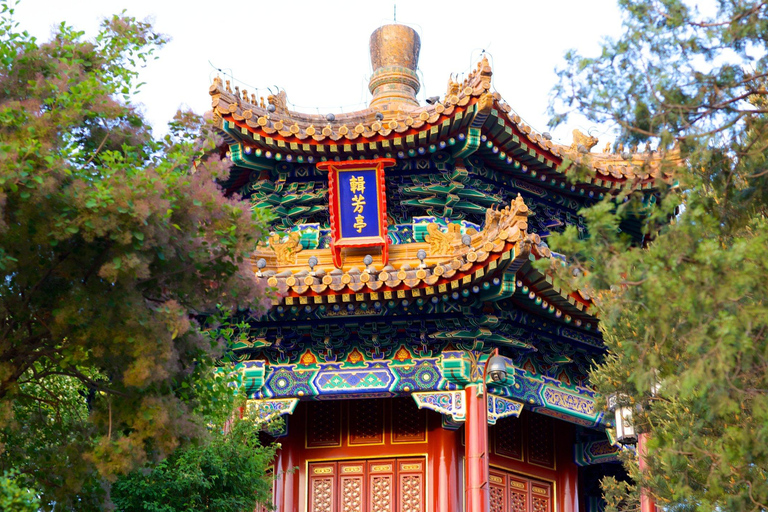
(359, 223)
(357, 184)
(358, 202)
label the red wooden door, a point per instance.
(351, 485)
(322, 486)
(515, 493)
(410, 490)
(381, 485)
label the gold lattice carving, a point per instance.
(410, 494)
(517, 502)
(286, 251)
(540, 504)
(322, 495)
(497, 499)
(580, 138)
(381, 494)
(351, 495)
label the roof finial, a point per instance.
(395, 5)
(394, 59)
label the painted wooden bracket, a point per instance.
(268, 410)
(500, 407)
(448, 403)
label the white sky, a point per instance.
(318, 50)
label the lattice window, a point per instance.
(540, 504)
(518, 502)
(509, 438)
(322, 495)
(366, 422)
(409, 423)
(497, 499)
(381, 493)
(410, 494)
(411, 491)
(541, 440)
(352, 495)
(541, 497)
(324, 429)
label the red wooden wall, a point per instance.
(341, 456)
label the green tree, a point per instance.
(225, 475)
(14, 498)
(686, 308)
(112, 243)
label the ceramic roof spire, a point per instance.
(394, 58)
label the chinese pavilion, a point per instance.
(401, 251)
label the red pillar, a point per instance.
(286, 481)
(288, 457)
(478, 497)
(646, 502)
(444, 457)
(567, 470)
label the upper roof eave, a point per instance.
(275, 128)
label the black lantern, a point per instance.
(619, 405)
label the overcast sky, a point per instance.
(318, 50)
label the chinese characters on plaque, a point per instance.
(357, 184)
(359, 207)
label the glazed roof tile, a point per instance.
(450, 265)
(273, 127)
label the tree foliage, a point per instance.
(15, 498)
(225, 475)
(687, 307)
(111, 244)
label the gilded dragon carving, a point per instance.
(286, 251)
(442, 243)
(581, 139)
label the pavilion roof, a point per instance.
(449, 265)
(273, 131)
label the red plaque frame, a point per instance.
(338, 241)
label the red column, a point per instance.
(567, 470)
(478, 497)
(286, 481)
(646, 502)
(444, 457)
(289, 456)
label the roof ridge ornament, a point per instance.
(394, 58)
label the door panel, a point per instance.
(411, 485)
(351, 485)
(381, 475)
(516, 493)
(322, 487)
(382, 485)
